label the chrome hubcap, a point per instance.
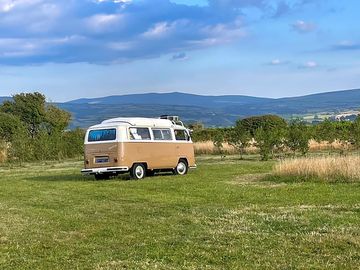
(181, 168)
(139, 172)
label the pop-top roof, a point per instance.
(138, 121)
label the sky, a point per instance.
(90, 48)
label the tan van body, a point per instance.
(115, 145)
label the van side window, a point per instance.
(139, 133)
(181, 135)
(162, 134)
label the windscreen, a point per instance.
(102, 135)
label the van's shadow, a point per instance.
(91, 178)
(73, 178)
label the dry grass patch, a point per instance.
(208, 148)
(325, 146)
(325, 168)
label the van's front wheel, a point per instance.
(138, 171)
(181, 168)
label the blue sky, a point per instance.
(87, 48)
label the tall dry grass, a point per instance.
(324, 146)
(3, 151)
(208, 148)
(326, 168)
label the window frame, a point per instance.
(139, 140)
(102, 141)
(187, 135)
(162, 140)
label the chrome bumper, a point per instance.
(104, 170)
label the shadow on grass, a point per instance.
(82, 178)
(61, 178)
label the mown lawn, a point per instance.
(224, 215)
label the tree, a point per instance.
(239, 138)
(218, 141)
(34, 129)
(355, 133)
(29, 107)
(57, 119)
(21, 147)
(325, 131)
(252, 124)
(269, 140)
(73, 143)
(297, 137)
(9, 126)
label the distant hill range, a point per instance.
(210, 110)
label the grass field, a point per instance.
(227, 214)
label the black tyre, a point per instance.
(181, 168)
(138, 171)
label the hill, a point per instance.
(210, 110)
(174, 98)
(2, 99)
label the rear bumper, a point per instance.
(104, 170)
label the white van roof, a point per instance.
(139, 121)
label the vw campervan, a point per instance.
(140, 146)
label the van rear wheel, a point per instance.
(181, 168)
(138, 171)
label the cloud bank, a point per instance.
(116, 31)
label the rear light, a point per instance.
(87, 162)
(115, 160)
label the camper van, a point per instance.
(140, 146)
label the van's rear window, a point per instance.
(102, 135)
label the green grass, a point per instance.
(227, 214)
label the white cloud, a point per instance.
(103, 22)
(303, 27)
(309, 64)
(120, 46)
(278, 62)
(158, 30)
(347, 45)
(9, 5)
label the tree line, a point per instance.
(273, 135)
(31, 129)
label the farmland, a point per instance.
(227, 214)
